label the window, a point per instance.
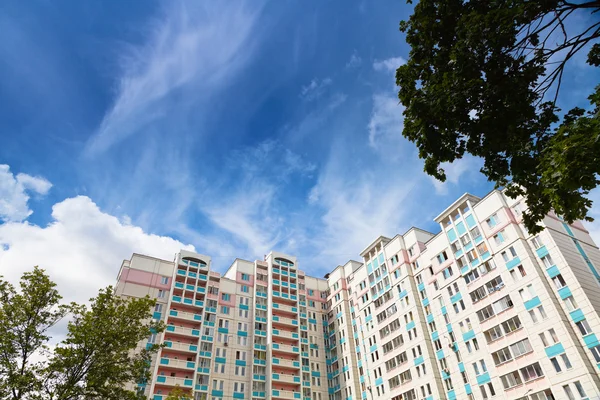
(162, 294)
(511, 380)
(442, 257)
(555, 364)
(521, 271)
(596, 353)
(499, 238)
(164, 280)
(531, 372)
(537, 242)
(584, 327)
(501, 356)
(509, 254)
(521, 347)
(579, 388)
(245, 277)
(492, 221)
(568, 392)
(475, 232)
(490, 391)
(566, 361)
(559, 281)
(570, 303)
(527, 293)
(543, 395)
(547, 260)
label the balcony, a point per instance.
(183, 315)
(173, 381)
(178, 330)
(285, 307)
(185, 347)
(187, 301)
(282, 362)
(286, 378)
(177, 364)
(286, 394)
(285, 348)
(285, 321)
(285, 334)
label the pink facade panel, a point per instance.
(145, 278)
(249, 282)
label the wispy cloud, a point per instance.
(247, 205)
(315, 89)
(14, 193)
(193, 47)
(386, 122)
(354, 61)
(388, 65)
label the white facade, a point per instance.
(480, 310)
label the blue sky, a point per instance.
(233, 127)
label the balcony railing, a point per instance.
(285, 321)
(173, 381)
(188, 316)
(286, 394)
(188, 348)
(179, 364)
(178, 330)
(285, 348)
(286, 378)
(286, 334)
(282, 362)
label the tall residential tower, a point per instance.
(480, 310)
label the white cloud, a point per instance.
(195, 47)
(466, 166)
(386, 121)
(354, 60)
(389, 65)
(314, 89)
(82, 248)
(14, 193)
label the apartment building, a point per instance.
(480, 310)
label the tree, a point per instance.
(484, 78)
(97, 358)
(178, 394)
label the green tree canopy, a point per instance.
(97, 358)
(484, 78)
(178, 394)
